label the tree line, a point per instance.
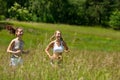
(78, 12)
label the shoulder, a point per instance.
(63, 42)
(13, 40)
(52, 42)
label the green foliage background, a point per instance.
(77, 12)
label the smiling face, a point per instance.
(19, 32)
(58, 34)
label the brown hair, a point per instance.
(10, 29)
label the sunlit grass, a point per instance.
(94, 53)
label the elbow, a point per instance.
(45, 50)
(8, 51)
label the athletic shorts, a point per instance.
(14, 61)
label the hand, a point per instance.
(25, 52)
(67, 51)
(18, 51)
(51, 57)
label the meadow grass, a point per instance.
(94, 53)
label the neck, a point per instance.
(58, 40)
(19, 38)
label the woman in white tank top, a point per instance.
(58, 45)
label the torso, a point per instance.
(18, 45)
(58, 48)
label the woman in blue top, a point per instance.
(58, 45)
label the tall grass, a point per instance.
(94, 54)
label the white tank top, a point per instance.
(58, 49)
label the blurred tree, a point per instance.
(3, 9)
(41, 9)
(115, 20)
(80, 12)
(75, 12)
(19, 13)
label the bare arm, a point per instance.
(25, 51)
(65, 46)
(50, 45)
(10, 47)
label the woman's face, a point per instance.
(19, 32)
(58, 35)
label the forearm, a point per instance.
(10, 51)
(47, 52)
(66, 48)
(14, 52)
(25, 51)
(65, 45)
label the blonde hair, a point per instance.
(53, 36)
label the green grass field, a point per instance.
(94, 53)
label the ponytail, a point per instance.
(52, 38)
(10, 29)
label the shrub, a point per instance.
(19, 13)
(115, 20)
